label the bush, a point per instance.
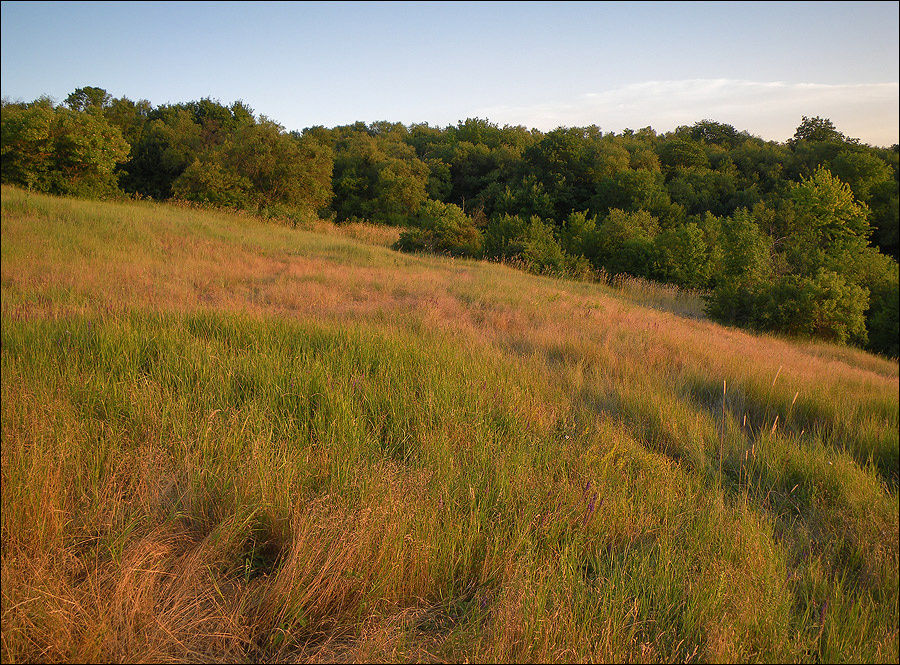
(210, 183)
(540, 252)
(442, 228)
(880, 275)
(882, 319)
(579, 233)
(825, 306)
(623, 243)
(503, 237)
(734, 300)
(681, 257)
(60, 151)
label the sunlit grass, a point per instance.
(230, 440)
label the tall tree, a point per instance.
(88, 97)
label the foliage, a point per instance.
(442, 228)
(532, 245)
(89, 97)
(623, 242)
(812, 285)
(828, 226)
(378, 180)
(209, 182)
(882, 317)
(170, 142)
(879, 274)
(681, 257)
(60, 151)
(502, 235)
(817, 129)
(825, 305)
(539, 251)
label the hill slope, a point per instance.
(228, 440)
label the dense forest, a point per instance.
(798, 237)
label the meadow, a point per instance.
(226, 439)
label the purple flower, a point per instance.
(592, 502)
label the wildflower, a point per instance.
(592, 504)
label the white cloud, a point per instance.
(771, 109)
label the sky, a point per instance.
(759, 66)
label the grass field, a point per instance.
(230, 440)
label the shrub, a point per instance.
(503, 236)
(209, 182)
(60, 151)
(540, 252)
(879, 274)
(442, 228)
(681, 257)
(623, 243)
(882, 319)
(734, 300)
(825, 306)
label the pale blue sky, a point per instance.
(758, 66)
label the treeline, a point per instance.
(798, 237)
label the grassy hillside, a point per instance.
(228, 440)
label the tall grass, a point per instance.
(226, 440)
(666, 297)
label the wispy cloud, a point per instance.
(771, 109)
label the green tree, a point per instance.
(681, 256)
(861, 170)
(745, 270)
(634, 190)
(879, 275)
(884, 203)
(210, 182)
(442, 228)
(89, 97)
(261, 167)
(60, 151)
(682, 153)
(284, 172)
(715, 133)
(828, 225)
(526, 198)
(817, 129)
(579, 235)
(26, 143)
(503, 235)
(377, 180)
(540, 251)
(623, 243)
(563, 162)
(130, 117)
(824, 305)
(170, 142)
(873, 182)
